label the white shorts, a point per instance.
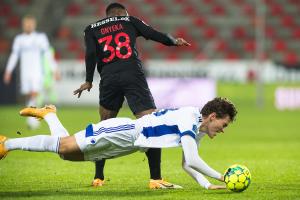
(31, 84)
(108, 139)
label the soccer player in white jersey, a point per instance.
(121, 136)
(30, 46)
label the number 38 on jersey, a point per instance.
(118, 46)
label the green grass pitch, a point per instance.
(267, 141)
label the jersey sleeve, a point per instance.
(194, 161)
(13, 58)
(90, 54)
(150, 33)
(198, 177)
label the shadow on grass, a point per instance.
(64, 193)
(109, 194)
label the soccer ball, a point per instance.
(237, 178)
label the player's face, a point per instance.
(216, 125)
(29, 25)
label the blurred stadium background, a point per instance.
(233, 41)
(217, 29)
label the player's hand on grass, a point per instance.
(182, 42)
(86, 86)
(222, 179)
(216, 187)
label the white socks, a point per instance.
(42, 143)
(32, 122)
(56, 128)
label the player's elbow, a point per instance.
(90, 54)
(184, 166)
(191, 163)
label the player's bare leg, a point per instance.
(106, 113)
(69, 149)
(145, 112)
(99, 165)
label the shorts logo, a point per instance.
(93, 141)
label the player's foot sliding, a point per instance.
(38, 112)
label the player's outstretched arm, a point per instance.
(12, 60)
(90, 55)
(86, 86)
(181, 42)
(199, 178)
(193, 159)
(216, 187)
(150, 33)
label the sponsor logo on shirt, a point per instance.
(111, 19)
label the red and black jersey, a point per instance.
(112, 40)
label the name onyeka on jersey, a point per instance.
(112, 28)
(111, 19)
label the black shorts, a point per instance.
(131, 84)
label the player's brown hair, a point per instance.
(29, 16)
(221, 106)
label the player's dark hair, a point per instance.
(221, 106)
(112, 7)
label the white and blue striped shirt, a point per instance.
(165, 127)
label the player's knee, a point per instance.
(105, 117)
(107, 114)
(190, 164)
(63, 149)
(75, 156)
(183, 165)
(69, 150)
(145, 112)
(65, 145)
